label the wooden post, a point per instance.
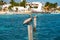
(34, 23)
(30, 33)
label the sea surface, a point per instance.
(12, 27)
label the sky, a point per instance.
(53, 1)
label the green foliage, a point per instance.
(10, 7)
(2, 3)
(23, 3)
(15, 4)
(47, 3)
(12, 2)
(51, 5)
(0, 7)
(55, 5)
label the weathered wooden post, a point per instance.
(34, 24)
(30, 32)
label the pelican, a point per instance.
(27, 21)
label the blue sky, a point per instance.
(53, 1)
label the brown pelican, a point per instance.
(27, 21)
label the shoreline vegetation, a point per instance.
(46, 8)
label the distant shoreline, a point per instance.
(7, 12)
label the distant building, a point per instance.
(6, 6)
(35, 6)
(18, 8)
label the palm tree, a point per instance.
(51, 6)
(55, 5)
(12, 2)
(47, 3)
(23, 3)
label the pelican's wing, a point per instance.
(27, 20)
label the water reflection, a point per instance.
(57, 38)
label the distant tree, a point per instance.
(5, 3)
(10, 7)
(47, 3)
(0, 8)
(51, 5)
(23, 3)
(55, 5)
(12, 2)
(2, 2)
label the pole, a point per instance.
(34, 23)
(30, 33)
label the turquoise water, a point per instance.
(12, 28)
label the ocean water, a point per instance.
(12, 27)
